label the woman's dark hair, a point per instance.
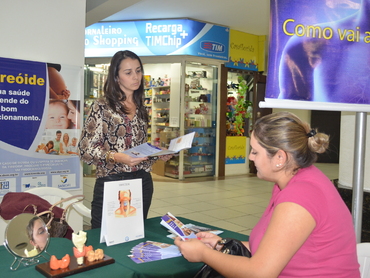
(112, 91)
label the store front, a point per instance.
(182, 60)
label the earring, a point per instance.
(278, 165)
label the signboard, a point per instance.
(319, 52)
(246, 51)
(158, 37)
(235, 149)
(39, 102)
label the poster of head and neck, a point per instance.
(320, 52)
(40, 125)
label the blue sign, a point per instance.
(158, 37)
(22, 100)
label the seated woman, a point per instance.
(306, 230)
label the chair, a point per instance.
(363, 255)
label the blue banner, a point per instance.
(319, 51)
(158, 37)
(40, 125)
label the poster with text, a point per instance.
(40, 125)
(319, 51)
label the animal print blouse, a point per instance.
(106, 130)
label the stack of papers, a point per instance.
(150, 251)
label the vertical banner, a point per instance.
(319, 51)
(235, 149)
(40, 125)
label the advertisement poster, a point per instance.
(40, 125)
(246, 51)
(236, 149)
(319, 51)
(158, 37)
(122, 218)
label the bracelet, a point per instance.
(110, 157)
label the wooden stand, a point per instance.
(73, 267)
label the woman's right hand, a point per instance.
(208, 239)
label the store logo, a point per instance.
(4, 185)
(63, 179)
(212, 46)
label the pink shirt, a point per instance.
(330, 250)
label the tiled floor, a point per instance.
(234, 203)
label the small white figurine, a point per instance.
(79, 243)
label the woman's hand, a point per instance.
(165, 157)
(126, 159)
(208, 239)
(192, 249)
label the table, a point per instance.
(123, 267)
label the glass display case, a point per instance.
(199, 115)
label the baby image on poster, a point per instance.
(125, 209)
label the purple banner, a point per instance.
(319, 51)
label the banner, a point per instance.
(319, 52)
(40, 125)
(158, 37)
(235, 149)
(246, 51)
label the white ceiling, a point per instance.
(249, 16)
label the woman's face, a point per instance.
(264, 163)
(73, 114)
(57, 116)
(40, 235)
(130, 75)
(65, 137)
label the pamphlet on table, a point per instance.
(176, 145)
(122, 218)
(150, 251)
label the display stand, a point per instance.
(73, 267)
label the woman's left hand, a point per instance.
(166, 157)
(192, 249)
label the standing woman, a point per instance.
(116, 122)
(306, 229)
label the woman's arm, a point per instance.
(290, 226)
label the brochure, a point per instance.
(122, 218)
(176, 145)
(176, 226)
(196, 229)
(150, 251)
